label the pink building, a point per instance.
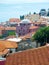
(23, 27)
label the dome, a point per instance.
(25, 21)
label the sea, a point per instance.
(8, 11)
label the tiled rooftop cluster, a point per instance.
(38, 56)
(14, 20)
(5, 45)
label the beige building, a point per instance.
(46, 20)
(33, 18)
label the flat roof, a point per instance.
(14, 39)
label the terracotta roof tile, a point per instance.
(4, 52)
(5, 45)
(2, 47)
(27, 36)
(8, 44)
(10, 28)
(7, 28)
(34, 27)
(14, 20)
(2, 28)
(39, 56)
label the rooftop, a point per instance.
(27, 36)
(34, 27)
(25, 21)
(2, 47)
(4, 52)
(7, 28)
(37, 56)
(8, 44)
(14, 20)
(14, 39)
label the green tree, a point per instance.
(48, 14)
(21, 17)
(11, 33)
(34, 13)
(41, 36)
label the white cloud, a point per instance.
(22, 1)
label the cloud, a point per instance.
(22, 1)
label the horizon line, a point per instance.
(25, 3)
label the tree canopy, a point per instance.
(42, 35)
(11, 33)
(48, 14)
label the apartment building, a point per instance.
(32, 17)
(13, 21)
(4, 30)
(23, 27)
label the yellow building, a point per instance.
(32, 17)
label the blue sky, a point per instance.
(15, 8)
(21, 1)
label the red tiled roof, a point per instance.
(38, 56)
(4, 52)
(7, 28)
(14, 20)
(2, 28)
(27, 36)
(2, 47)
(34, 27)
(7, 44)
(10, 28)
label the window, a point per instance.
(21, 28)
(19, 33)
(23, 33)
(24, 24)
(29, 30)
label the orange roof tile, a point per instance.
(14, 20)
(10, 28)
(37, 22)
(2, 28)
(27, 36)
(38, 56)
(9, 44)
(7, 28)
(2, 47)
(5, 45)
(34, 27)
(4, 52)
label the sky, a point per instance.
(21, 1)
(15, 8)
